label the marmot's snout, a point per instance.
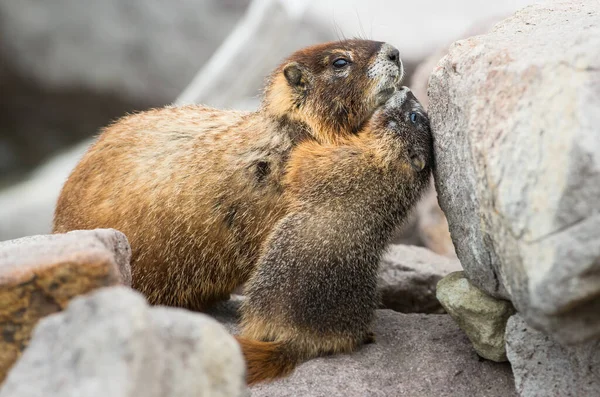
(387, 68)
(390, 63)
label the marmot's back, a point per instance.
(175, 181)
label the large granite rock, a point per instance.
(482, 317)
(431, 225)
(40, 275)
(408, 276)
(413, 355)
(543, 367)
(515, 119)
(111, 343)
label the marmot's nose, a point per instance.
(394, 56)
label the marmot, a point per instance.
(314, 289)
(197, 190)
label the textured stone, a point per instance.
(408, 276)
(515, 119)
(543, 367)
(432, 226)
(39, 275)
(413, 355)
(111, 343)
(482, 317)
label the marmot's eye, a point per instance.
(413, 117)
(340, 63)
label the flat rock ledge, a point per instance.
(414, 355)
(39, 275)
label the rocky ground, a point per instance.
(112, 334)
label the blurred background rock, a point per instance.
(69, 67)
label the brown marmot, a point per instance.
(314, 290)
(197, 190)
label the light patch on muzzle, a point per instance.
(387, 72)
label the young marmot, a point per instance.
(314, 290)
(197, 190)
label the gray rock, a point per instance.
(515, 119)
(482, 317)
(111, 343)
(432, 226)
(40, 275)
(34, 254)
(543, 367)
(408, 276)
(414, 355)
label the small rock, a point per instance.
(408, 276)
(112, 343)
(543, 367)
(482, 317)
(39, 275)
(414, 355)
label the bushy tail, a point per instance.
(266, 360)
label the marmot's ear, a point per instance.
(294, 75)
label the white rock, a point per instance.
(111, 343)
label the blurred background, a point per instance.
(69, 67)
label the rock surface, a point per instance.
(543, 367)
(39, 275)
(482, 317)
(515, 119)
(432, 225)
(408, 276)
(111, 343)
(414, 355)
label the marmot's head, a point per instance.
(403, 128)
(334, 87)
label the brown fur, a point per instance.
(197, 190)
(265, 360)
(314, 290)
